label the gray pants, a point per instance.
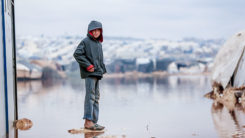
(91, 102)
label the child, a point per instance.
(89, 55)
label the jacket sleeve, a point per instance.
(105, 71)
(81, 58)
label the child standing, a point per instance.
(89, 55)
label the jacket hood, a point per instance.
(95, 25)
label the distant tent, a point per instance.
(229, 65)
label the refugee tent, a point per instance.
(229, 65)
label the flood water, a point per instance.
(170, 107)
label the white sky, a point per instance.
(170, 19)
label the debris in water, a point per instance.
(82, 130)
(75, 131)
(194, 134)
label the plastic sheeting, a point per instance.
(239, 76)
(228, 59)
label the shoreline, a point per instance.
(131, 75)
(156, 74)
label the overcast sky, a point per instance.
(170, 19)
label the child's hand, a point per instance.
(91, 70)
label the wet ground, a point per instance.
(168, 107)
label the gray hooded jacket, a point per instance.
(89, 53)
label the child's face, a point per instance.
(96, 33)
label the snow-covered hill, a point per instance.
(61, 48)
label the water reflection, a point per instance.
(92, 134)
(152, 107)
(86, 134)
(229, 123)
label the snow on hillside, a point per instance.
(61, 48)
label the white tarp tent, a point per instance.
(229, 62)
